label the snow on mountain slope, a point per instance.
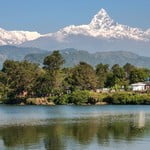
(101, 34)
(102, 26)
(16, 37)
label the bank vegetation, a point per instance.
(28, 83)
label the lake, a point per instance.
(74, 127)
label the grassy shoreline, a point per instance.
(84, 97)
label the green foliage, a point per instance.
(23, 80)
(79, 97)
(102, 73)
(84, 77)
(52, 65)
(4, 87)
(118, 77)
(67, 85)
(60, 100)
(3, 92)
(20, 77)
(43, 85)
(128, 98)
(53, 61)
(128, 68)
(96, 97)
(139, 75)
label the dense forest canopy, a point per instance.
(20, 80)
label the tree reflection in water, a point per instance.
(61, 133)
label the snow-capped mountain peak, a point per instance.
(101, 20)
(102, 33)
(102, 26)
(102, 12)
(17, 37)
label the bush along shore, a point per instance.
(93, 98)
(88, 98)
(52, 84)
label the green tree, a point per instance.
(128, 68)
(84, 77)
(79, 97)
(116, 77)
(52, 65)
(102, 71)
(53, 62)
(4, 87)
(20, 76)
(43, 85)
(139, 75)
(67, 85)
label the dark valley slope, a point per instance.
(16, 53)
(73, 57)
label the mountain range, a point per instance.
(101, 34)
(105, 40)
(73, 57)
(16, 53)
(16, 37)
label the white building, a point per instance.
(141, 86)
(103, 90)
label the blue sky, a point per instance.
(50, 15)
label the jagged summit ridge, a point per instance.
(102, 26)
(102, 20)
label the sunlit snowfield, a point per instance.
(74, 127)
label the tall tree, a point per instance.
(52, 65)
(139, 75)
(84, 77)
(20, 76)
(43, 85)
(117, 77)
(102, 73)
(53, 62)
(128, 68)
(4, 86)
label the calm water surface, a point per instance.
(74, 127)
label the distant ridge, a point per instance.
(16, 53)
(73, 57)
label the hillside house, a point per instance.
(140, 86)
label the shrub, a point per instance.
(128, 98)
(79, 97)
(96, 97)
(62, 100)
(52, 98)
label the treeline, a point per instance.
(22, 80)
